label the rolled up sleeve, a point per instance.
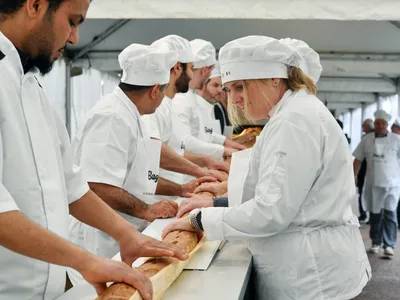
(287, 170)
(184, 108)
(218, 139)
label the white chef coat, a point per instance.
(37, 175)
(113, 147)
(382, 179)
(166, 126)
(302, 233)
(208, 115)
(108, 147)
(196, 134)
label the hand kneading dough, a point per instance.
(162, 271)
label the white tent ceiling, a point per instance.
(360, 56)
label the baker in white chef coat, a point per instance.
(396, 130)
(39, 183)
(166, 126)
(198, 136)
(295, 208)
(118, 158)
(207, 97)
(381, 149)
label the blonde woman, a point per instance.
(295, 206)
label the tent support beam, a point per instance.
(101, 37)
(388, 79)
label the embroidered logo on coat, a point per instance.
(153, 177)
(183, 147)
(2, 55)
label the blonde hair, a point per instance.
(297, 80)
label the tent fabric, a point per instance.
(246, 9)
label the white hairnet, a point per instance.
(257, 57)
(312, 66)
(382, 115)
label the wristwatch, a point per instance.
(193, 219)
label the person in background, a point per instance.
(396, 130)
(221, 110)
(381, 149)
(345, 134)
(166, 126)
(40, 186)
(367, 127)
(198, 137)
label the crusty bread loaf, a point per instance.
(209, 194)
(157, 268)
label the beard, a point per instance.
(43, 39)
(44, 63)
(182, 83)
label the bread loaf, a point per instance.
(209, 194)
(161, 271)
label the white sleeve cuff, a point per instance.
(7, 202)
(77, 186)
(211, 219)
(219, 139)
(219, 152)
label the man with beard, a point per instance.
(197, 135)
(39, 184)
(166, 126)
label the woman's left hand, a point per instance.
(180, 224)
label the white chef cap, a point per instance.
(397, 122)
(216, 72)
(257, 57)
(179, 45)
(382, 115)
(146, 65)
(204, 54)
(312, 66)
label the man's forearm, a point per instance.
(21, 235)
(91, 210)
(356, 166)
(120, 200)
(172, 161)
(198, 159)
(168, 188)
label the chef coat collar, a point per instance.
(281, 102)
(12, 54)
(26, 61)
(379, 137)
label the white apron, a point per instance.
(380, 193)
(237, 177)
(140, 182)
(228, 131)
(216, 126)
(175, 143)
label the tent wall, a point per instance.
(86, 90)
(249, 9)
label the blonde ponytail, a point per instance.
(298, 80)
